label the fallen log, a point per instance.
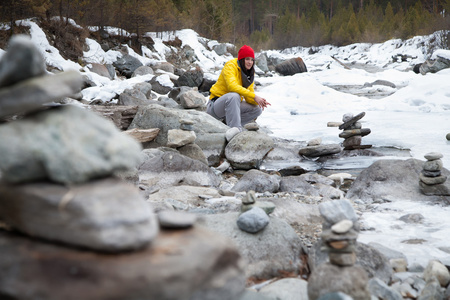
(120, 115)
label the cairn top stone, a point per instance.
(249, 198)
(22, 61)
(343, 226)
(351, 121)
(433, 155)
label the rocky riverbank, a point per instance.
(161, 217)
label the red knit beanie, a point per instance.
(246, 51)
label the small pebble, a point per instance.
(342, 227)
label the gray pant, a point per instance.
(235, 112)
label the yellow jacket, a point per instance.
(230, 80)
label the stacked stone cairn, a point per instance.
(340, 274)
(352, 131)
(432, 181)
(254, 215)
(69, 227)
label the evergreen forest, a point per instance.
(265, 24)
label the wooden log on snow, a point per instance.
(121, 116)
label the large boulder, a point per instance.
(191, 78)
(106, 215)
(291, 67)
(171, 168)
(391, 180)
(127, 64)
(66, 144)
(193, 264)
(274, 251)
(247, 149)
(438, 61)
(209, 131)
(257, 181)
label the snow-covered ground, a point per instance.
(416, 116)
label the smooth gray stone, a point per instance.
(65, 144)
(176, 219)
(448, 136)
(433, 155)
(431, 173)
(432, 180)
(253, 220)
(30, 94)
(433, 165)
(321, 150)
(106, 215)
(351, 121)
(352, 132)
(21, 61)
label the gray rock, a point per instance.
(49, 146)
(335, 296)
(169, 169)
(390, 179)
(286, 289)
(267, 206)
(354, 132)
(105, 215)
(30, 94)
(99, 69)
(132, 97)
(261, 62)
(448, 136)
(176, 219)
(165, 66)
(412, 218)
(432, 180)
(291, 67)
(177, 138)
(349, 120)
(433, 66)
(145, 88)
(387, 252)
(328, 278)
(177, 91)
(343, 226)
(321, 150)
(127, 64)
(191, 78)
(143, 70)
(220, 49)
(158, 87)
(257, 181)
(209, 131)
(253, 220)
(381, 290)
(433, 155)
(21, 61)
(431, 291)
(191, 99)
(380, 82)
(435, 189)
(199, 264)
(433, 165)
(297, 184)
(438, 270)
(336, 211)
(193, 151)
(247, 149)
(268, 253)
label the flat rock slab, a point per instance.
(321, 150)
(106, 215)
(193, 264)
(353, 120)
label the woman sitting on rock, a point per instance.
(233, 97)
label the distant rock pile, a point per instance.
(431, 178)
(340, 274)
(352, 131)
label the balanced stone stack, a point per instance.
(67, 221)
(352, 131)
(340, 274)
(254, 215)
(432, 181)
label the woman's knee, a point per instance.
(234, 97)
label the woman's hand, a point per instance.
(261, 102)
